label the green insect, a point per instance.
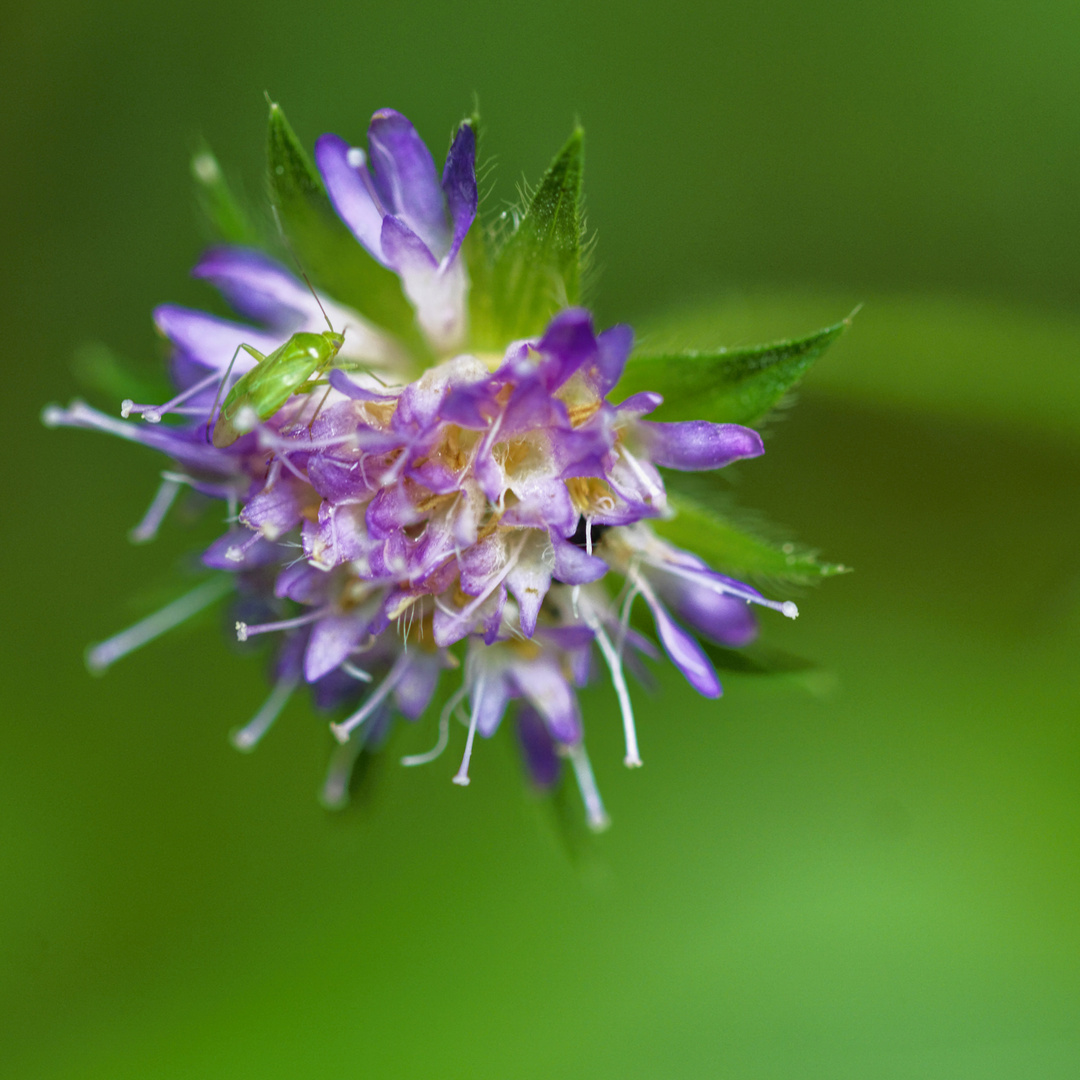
(292, 368)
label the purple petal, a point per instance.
(613, 349)
(344, 385)
(685, 653)
(569, 341)
(331, 641)
(304, 584)
(347, 184)
(543, 504)
(211, 341)
(459, 185)
(274, 511)
(405, 178)
(417, 685)
(537, 748)
(694, 445)
(543, 684)
(405, 251)
(185, 445)
(728, 620)
(257, 286)
(574, 566)
(390, 511)
(529, 581)
(290, 658)
(338, 481)
(491, 613)
(639, 404)
(488, 700)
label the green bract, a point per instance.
(734, 550)
(730, 386)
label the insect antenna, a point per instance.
(299, 265)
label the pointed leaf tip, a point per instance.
(223, 209)
(736, 386)
(538, 270)
(734, 550)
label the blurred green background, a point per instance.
(871, 871)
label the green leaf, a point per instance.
(223, 209)
(733, 386)
(733, 550)
(328, 252)
(538, 270)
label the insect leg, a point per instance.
(318, 410)
(258, 356)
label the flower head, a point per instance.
(492, 520)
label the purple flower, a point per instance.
(406, 217)
(487, 521)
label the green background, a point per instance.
(868, 871)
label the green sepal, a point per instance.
(223, 209)
(731, 386)
(537, 271)
(328, 252)
(733, 550)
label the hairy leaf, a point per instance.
(733, 386)
(732, 550)
(538, 270)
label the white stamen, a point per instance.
(147, 529)
(588, 535)
(106, 653)
(590, 793)
(355, 672)
(444, 733)
(462, 776)
(244, 631)
(246, 738)
(237, 553)
(341, 731)
(618, 680)
(703, 581)
(335, 789)
(152, 414)
(640, 473)
(356, 157)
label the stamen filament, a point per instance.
(147, 529)
(246, 737)
(341, 731)
(785, 607)
(444, 733)
(243, 631)
(355, 672)
(103, 655)
(152, 414)
(590, 793)
(335, 789)
(462, 776)
(622, 692)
